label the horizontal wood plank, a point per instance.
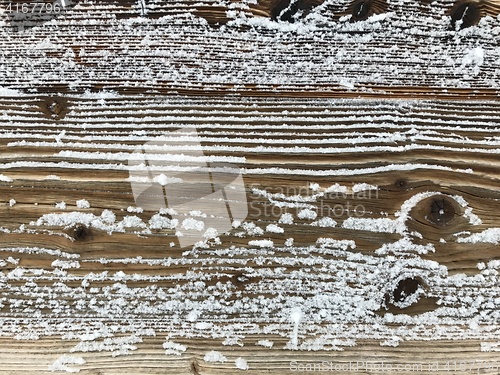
(358, 166)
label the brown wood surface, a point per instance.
(428, 135)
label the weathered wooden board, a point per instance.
(368, 156)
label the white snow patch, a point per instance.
(61, 364)
(211, 233)
(252, 229)
(193, 224)
(116, 345)
(12, 202)
(473, 57)
(203, 325)
(82, 203)
(491, 235)
(173, 348)
(490, 346)
(136, 210)
(308, 214)
(273, 228)
(47, 44)
(193, 316)
(404, 245)
(473, 325)
(165, 180)
(232, 341)
(16, 273)
(261, 243)
(325, 222)
(241, 364)
(58, 138)
(296, 316)
(286, 218)
(61, 205)
(65, 264)
(362, 187)
(473, 218)
(104, 222)
(108, 217)
(158, 221)
(336, 188)
(104, 94)
(314, 186)
(4, 91)
(265, 343)
(197, 213)
(27, 335)
(215, 356)
(324, 242)
(132, 222)
(4, 178)
(382, 225)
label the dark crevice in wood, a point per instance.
(362, 9)
(195, 367)
(465, 14)
(405, 288)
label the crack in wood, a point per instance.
(195, 367)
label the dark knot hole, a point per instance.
(405, 288)
(81, 232)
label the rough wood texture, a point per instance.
(372, 144)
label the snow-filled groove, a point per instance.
(364, 153)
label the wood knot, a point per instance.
(55, 107)
(408, 296)
(405, 288)
(442, 211)
(465, 14)
(81, 232)
(401, 184)
(437, 217)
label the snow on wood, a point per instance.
(368, 147)
(241, 363)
